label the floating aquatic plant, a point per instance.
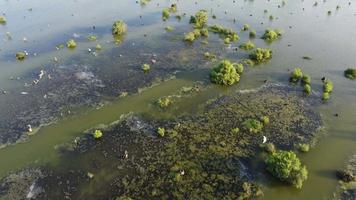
(253, 125)
(190, 37)
(119, 28)
(71, 44)
(161, 131)
(286, 166)
(271, 35)
(20, 55)
(261, 55)
(146, 67)
(200, 19)
(92, 38)
(350, 73)
(97, 134)
(2, 20)
(224, 74)
(296, 75)
(247, 46)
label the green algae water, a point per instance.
(38, 27)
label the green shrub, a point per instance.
(252, 34)
(253, 125)
(119, 28)
(161, 131)
(97, 134)
(307, 88)
(209, 56)
(98, 47)
(261, 55)
(190, 37)
(165, 13)
(265, 120)
(224, 74)
(92, 38)
(328, 86)
(71, 44)
(224, 32)
(164, 102)
(246, 27)
(169, 28)
(239, 68)
(20, 55)
(200, 19)
(296, 75)
(286, 166)
(146, 67)
(2, 20)
(173, 8)
(350, 73)
(247, 46)
(271, 35)
(326, 96)
(235, 130)
(204, 32)
(306, 79)
(304, 147)
(269, 147)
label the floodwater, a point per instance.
(308, 31)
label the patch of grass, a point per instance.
(304, 147)
(286, 166)
(224, 74)
(161, 131)
(247, 46)
(261, 55)
(350, 73)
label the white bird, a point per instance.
(264, 139)
(41, 74)
(29, 128)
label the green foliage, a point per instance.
(271, 17)
(98, 47)
(164, 102)
(165, 13)
(296, 75)
(173, 8)
(119, 28)
(204, 32)
(71, 44)
(328, 86)
(92, 38)
(325, 96)
(209, 56)
(225, 73)
(144, 2)
(286, 166)
(97, 134)
(269, 147)
(265, 120)
(235, 130)
(307, 88)
(253, 125)
(247, 46)
(20, 55)
(125, 197)
(146, 67)
(239, 68)
(246, 27)
(225, 33)
(169, 28)
(304, 147)
(261, 55)
(190, 37)
(161, 131)
(306, 79)
(350, 73)
(252, 34)
(200, 19)
(271, 35)
(2, 20)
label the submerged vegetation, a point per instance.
(261, 55)
(350, 73)
(225, 73)
(286, 166)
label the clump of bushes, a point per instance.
(2, 20)
(253, 125)
(225, 73)
(304, 147)
(328, 88)
(161, 131)
(286, 166)
(97, 134)
(92, 38)
(71, 44)
(296, 75)
(261, 55)
(165, 14)
(20, 55)
(252, 34)
(350, 73)
(98, 47)
(247, 46)
(271, 35)
(119, 28)
(209, 56)
(200, 19)
(173, 8)
(164, 102)
(246, 27)
(195, 34)
(228, 34)
(146, 67)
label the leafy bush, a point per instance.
(350, 73)
(190, 37)
(325, 96)
(306, 79)
(247, 46)
(239, 68)
(92, 38)
(164, 102)
(328, 86)
(286, 166)
(2, 20)
(253, 125)
(265, 120)
(307, 88)
(169, 28)
(252, 34)
(246, 27)
(97, 134)
(119, 28)
(200, 19)
(296, 75)
(71, 44)
(161, 131)
(146, 67)
(165, 13)
(224, 74)
(20, 55)
(304, 147)
(224, 32)
(261, 55)
(271, 35)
